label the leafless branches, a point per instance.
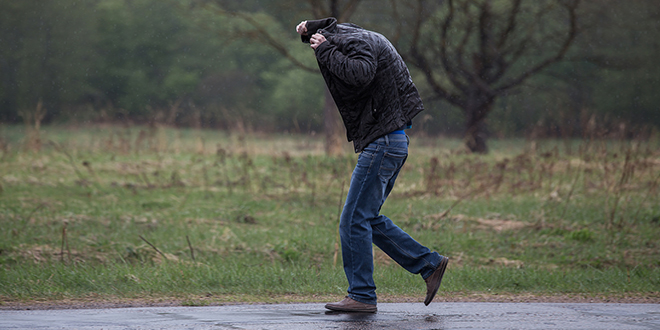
(259, 32)
(342, 10)
(472, 51)
(494, 41)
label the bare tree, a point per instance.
(472, 51)
(342, 10)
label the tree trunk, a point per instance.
(475, 134)
(475, 138)
(332, 127)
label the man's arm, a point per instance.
(355, 66)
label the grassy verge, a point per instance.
(218, 283)
(138, 213)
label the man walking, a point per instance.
(377, 100)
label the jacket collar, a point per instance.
(326, 25)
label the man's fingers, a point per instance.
(302, 27)
(316, 39)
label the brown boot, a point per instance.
(350, 305)
(433, 281)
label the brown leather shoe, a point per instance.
(350, 305)
(433, 281)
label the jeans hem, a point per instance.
(433, 267)
(352, 296)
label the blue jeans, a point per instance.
(361, 223)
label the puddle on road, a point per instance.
(303, 319)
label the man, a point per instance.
(377, 99)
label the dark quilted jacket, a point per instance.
(367, 78)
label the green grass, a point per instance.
(261, 213)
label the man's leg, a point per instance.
(361, 225)
(372, 180)
(395, 242)
(402, 248)
(355, 230)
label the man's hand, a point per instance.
(302, 28)
(316, 40)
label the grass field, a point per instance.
(205, 217)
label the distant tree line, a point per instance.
(204, 63)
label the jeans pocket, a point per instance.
(392, 162)
(366, 156)
(370, 150)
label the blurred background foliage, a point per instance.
(197, 63)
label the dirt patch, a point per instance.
(220, 300)
(481, 223)
(500, 225)
(503, 262)
(46, 253)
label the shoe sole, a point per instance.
(339, 309)
(442, 267)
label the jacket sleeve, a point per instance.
(355, 66)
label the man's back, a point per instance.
(368, 80)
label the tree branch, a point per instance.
(451, 71)
(511, 23)
(317, 9)
(421, 62)
(399, 26)
(571, 7)
(261, 34)
(348, 10)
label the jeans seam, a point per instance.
(397, 245)
(404, 250)
(354, 207)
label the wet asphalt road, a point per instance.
(314, 316)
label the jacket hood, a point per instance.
(327, 24)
